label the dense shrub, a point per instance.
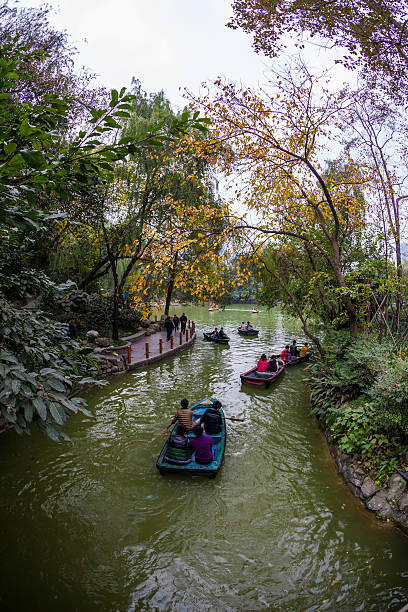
(38, 366)
(360, 389)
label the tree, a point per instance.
(186, 254)
(41, 177)
(373, 33)
(276, 139)
(375, 131)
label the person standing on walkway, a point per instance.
(72, 330)
(168, 324)
(183, 323)
(176, 321)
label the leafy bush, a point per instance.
(38, 366)
(360, 389)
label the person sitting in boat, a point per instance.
(243, 326)
(305, 349)
(285, 355)
(273, 365)
(184, 416)
(249, 326)
(178, 446)
(263, 364)
(211, 420)
(215, 333)
(293, 349)
(202, 445)
(222, 334)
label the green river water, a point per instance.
(92, 525)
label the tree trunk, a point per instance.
(170, 286)
(115, 315)
(348, 304)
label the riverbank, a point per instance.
(388, 502)
(279, 529)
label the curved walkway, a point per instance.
(138, 348)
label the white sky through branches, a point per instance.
(166, 44)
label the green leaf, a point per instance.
(7, 357)
(34, 159)
(15, 385)
(110, 121)
(28, 412)
(114, 98)
(57, 413)
(10, 147)
(54, 383)
(40, 407)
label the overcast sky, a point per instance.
(167, 44)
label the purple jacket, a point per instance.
(203, 448)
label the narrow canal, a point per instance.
(92, 525)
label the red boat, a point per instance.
(262, 379)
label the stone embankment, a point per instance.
(389, 501)
(139, 349)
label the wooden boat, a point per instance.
(294, 360)
(255, 310)
(191, 467)
(209, 336)
(248, 332)
(262, 379)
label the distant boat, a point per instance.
(209, 336)
(255, 310)
(248, 332)
(214, 307)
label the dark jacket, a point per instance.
(273, 366)
(212, 421)
(168, 324)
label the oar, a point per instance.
(234, 419)
(163, 430)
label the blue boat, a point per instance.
(166, 465)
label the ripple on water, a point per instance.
(101, 529)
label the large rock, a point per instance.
(354, 475)
(103, 342)
(403, 503)
(368, 488)
(379, 504)
(92, 334)
(343, 462)
(396, 487)
(145, 324)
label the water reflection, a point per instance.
(93, 525)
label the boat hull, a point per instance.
(294, 360)
(248, 332)
(207, 336)
(252, 377)
(193, 468)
